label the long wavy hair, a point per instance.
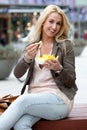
(37, 32)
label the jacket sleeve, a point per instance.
(21, 67)
(68, 74)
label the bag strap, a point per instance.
(23, 89)
(6, 96)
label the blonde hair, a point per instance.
(61, 35)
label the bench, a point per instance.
(77, 120)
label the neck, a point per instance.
(47, 41)
(46, 47)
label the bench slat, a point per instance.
(77, 120)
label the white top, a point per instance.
(43, 81)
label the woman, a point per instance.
(51, 84)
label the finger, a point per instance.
(32, 50)
(52, 64)
(38, 43)
(47, 65)
(52, 61)
(32, 46)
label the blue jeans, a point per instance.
(27, 109)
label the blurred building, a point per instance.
(78, 16)
(16, 15)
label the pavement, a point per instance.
(13, 86)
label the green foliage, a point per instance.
(9, 52)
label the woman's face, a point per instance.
(52, 25)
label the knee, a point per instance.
(18, 127)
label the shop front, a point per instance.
(5, 26)
(16, 20)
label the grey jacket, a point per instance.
(65, 80)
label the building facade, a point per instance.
(16, 15)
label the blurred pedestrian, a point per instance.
(85, 34)
(3, 40)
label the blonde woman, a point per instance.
(52, 86)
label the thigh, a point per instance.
(45, 105)
(26, 122)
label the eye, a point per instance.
(58, 23)
(51, 21)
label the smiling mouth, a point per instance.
(52, 31)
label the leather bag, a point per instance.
(5, 101)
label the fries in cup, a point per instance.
(45, 57)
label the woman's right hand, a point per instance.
(30, 51)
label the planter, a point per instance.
(79, 45)
(6, 66)
(78, 50)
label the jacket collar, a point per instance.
(56, 46)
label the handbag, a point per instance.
(5, 101)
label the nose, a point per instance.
(54, 26)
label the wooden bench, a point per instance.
(77, 120)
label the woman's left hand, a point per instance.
(53, 65)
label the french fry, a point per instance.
(48, 57)
(38, 43)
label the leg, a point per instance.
(26, 122)
(46, 105)
(42, 105)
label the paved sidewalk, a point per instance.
(12, 86)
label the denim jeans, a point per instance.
(27, 109)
